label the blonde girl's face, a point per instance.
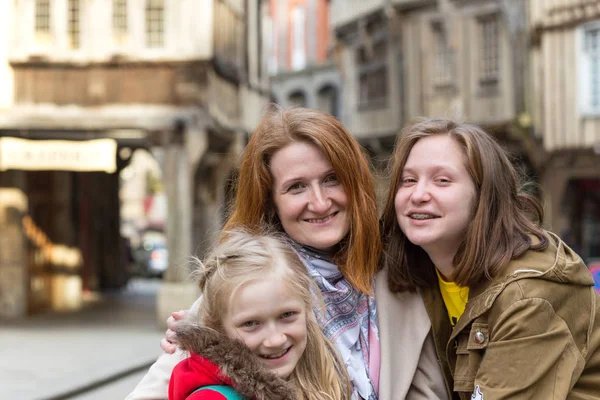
(271, 320)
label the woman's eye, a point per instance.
(443, 180)
(287, 314)
(296, 187)
(331, 179)
(250, 324)
(406, 181)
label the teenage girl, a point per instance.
(513, 310)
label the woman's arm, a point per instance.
(155, 384)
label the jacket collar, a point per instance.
(236, 362)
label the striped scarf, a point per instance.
(350, 322)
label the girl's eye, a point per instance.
(288, 314)
(250, 324)
(443, 180)
(408, 181)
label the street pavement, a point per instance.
(64, 355)
(115, 390)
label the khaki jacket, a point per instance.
(409, 366)
(533, 332)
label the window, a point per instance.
(489, 40)
(372, 75)
(119, 19)
(297, 99)
(327, 99)
(590, 65)
(298, 18)
(42, 19)
(73, 24)
(443, 65)
(155, 20)
(228, 39)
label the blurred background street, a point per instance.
(121, 123)
(98, 352)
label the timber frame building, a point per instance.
(565, 99)
(526, 70)
(163, 75)
(300, 43)
(402, 59)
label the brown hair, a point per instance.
(501, 226)
(358, 256)
(242, 257)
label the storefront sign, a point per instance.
(58, 155)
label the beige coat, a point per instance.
(409, 366)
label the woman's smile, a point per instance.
(323, 220)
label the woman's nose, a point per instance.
(319, 201)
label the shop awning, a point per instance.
(61, 155)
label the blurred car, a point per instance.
(151, 257)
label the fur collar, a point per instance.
(236, 361)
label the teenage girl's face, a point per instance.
(435, 201)
(310, 201)
(271, 320)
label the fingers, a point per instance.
(171, 323)
(171, 336)
(169, 343)
(174, 319)
(167, 347)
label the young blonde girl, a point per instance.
(257, 337)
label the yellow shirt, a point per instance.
(455, 298)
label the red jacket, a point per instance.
(217, 360)
(193, 373)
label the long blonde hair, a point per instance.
(240, 257)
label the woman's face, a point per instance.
(309, 200)
(435, 201)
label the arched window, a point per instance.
(327, 100)
(297, 99)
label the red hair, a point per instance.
(253, 209)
